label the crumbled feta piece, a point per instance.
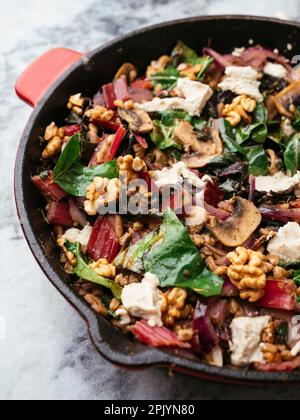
(275, 70)
(296, 350)
(242, 81)
(286, 244)
(163, 104)
(175, 175)
(168, 177)
(195, 96)
(143, 300)
(76, 235)
(247, 72)
(279, 183)
(246, 340)
(180, 175)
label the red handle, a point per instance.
(43, 72)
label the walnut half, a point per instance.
(248, 272)
(238, 110)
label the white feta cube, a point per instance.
(176, 175)
(286, 245)
(192, 98)
(275, 70)
(143, 300)
(246, 340)
(241, 72)
(242, 81)
(75, 235)
(163, 104)
(196, 95)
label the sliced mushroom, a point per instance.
(206, 151)
(238, 228)
(137, 119)
(196, 216)
(286, 98)
(197, 160)
(128, 70)
(184, 133)
(271, 107)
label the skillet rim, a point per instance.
(149, 357)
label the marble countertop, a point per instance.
(45, 351)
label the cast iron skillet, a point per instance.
(48, 83)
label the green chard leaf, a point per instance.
(258, 130)
(296, 277)
(257, 160)
(167, 78)
(242, 134)
(73, 177)
(275, 132)
(176, 261)
(181, 54)
(173, 257)
(132, 258)
(162, 136)
(206, 62)
(259, 133)
(260, 115)
(184, 54)
(255, 156)
(77, 179)
(170, 117)
(69, 156)
(292, 154)
(199, 124)
(173, 117)
(282, 332)
(229, 139)
(83, 271)
(163, 132)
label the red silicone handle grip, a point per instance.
(43, 72)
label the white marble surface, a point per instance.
(45, 352)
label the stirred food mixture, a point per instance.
(174, 198)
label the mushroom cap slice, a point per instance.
(137, 119)
(197, 160)
(285, 98)
(206, 151)
(184, 134)
(238, 228)
(128, 70)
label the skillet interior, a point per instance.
(222, 33)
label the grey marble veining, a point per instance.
(45, 353)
